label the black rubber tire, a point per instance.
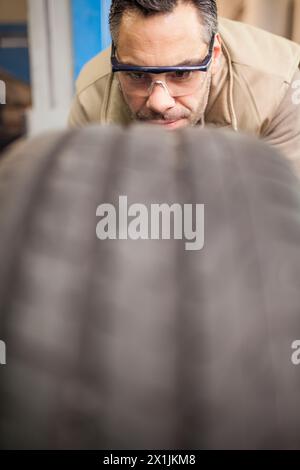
(126, 344)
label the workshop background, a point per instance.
(45, 43)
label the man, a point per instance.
(174, 66)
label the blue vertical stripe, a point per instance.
(105, 34)
(90, 30)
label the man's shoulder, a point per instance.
(98, 68)
(253, 47)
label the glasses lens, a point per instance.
(183, 83)
(135, 83)
(179, 83)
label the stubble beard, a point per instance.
(193, 118)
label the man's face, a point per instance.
(166, 40)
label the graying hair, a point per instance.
(208, 13)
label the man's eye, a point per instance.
(182, 75)
(137, 76)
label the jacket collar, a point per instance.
(220, 110)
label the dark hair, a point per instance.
(207, 9)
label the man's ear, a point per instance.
(217, 51)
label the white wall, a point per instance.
(50, 41)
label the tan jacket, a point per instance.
(252, 91)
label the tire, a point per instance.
(123, 344)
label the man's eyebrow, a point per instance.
(188, 63)
(185, 63)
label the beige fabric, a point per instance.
(277, 16)
(296, 21)
(251, 92)
(287, 138)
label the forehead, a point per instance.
(162, 39)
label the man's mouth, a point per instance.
(170, 124)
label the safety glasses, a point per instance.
(180, 80)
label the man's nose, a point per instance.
(160, 99)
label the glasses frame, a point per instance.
(202, 67)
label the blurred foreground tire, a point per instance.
(123, 344)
